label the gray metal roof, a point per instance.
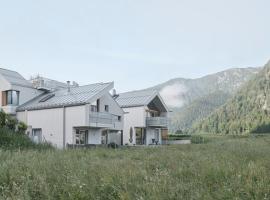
(136, 98)
(14, 78)
(77, 96)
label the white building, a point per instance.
(75, 115)
(62, 114)
(146, 117)
(14, 91)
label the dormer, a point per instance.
(14, 91)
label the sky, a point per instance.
(135, 43)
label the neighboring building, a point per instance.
(14, 91)
(74, 115)
(146, 117)
(46, 84)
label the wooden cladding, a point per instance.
(4, 98)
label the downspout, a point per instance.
(64, 127)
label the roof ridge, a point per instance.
(81, 86)
(145, 90)
(9, 70)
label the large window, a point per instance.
(81, 137)
(11, 97)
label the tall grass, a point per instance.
(10, 140)
(225, 168)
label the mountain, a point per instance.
(198, 110)
(194, 99)
(247, 112)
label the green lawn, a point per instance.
(223, 168)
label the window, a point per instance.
(81, 137)
(119, 118)
(37, 135)
(93, 108)
(106, 108)
(11, 98)
(47, 98)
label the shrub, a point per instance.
(22, 127)
(11, 122)
(197, 139)
(2, 119)
(10, 140)
(179, 132)
(113, 145)
(179, 137)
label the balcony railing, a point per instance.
(100, 119)
(157, 121)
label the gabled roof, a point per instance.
(77, 96)
(14, 78)
(139, 98)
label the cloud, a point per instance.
(174, 94)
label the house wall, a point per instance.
(75, 117)
(50, 121)
(133, 117)
(114, 109)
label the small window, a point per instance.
(37, 135)
(106, 108)
(94, 108)
(119, 118)
(47, 98)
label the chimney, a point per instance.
(114, 93)
(68, 85)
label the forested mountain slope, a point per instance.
(192, 100)
(247, 112)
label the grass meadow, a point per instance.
(224, 167)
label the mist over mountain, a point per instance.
(194, 99)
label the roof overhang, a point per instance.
(157, 95)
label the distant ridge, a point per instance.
(247, 112)
(188, 97)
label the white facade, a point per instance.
(136, 118)
(59, 125)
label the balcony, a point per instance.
(157, 121)
(100, 119)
